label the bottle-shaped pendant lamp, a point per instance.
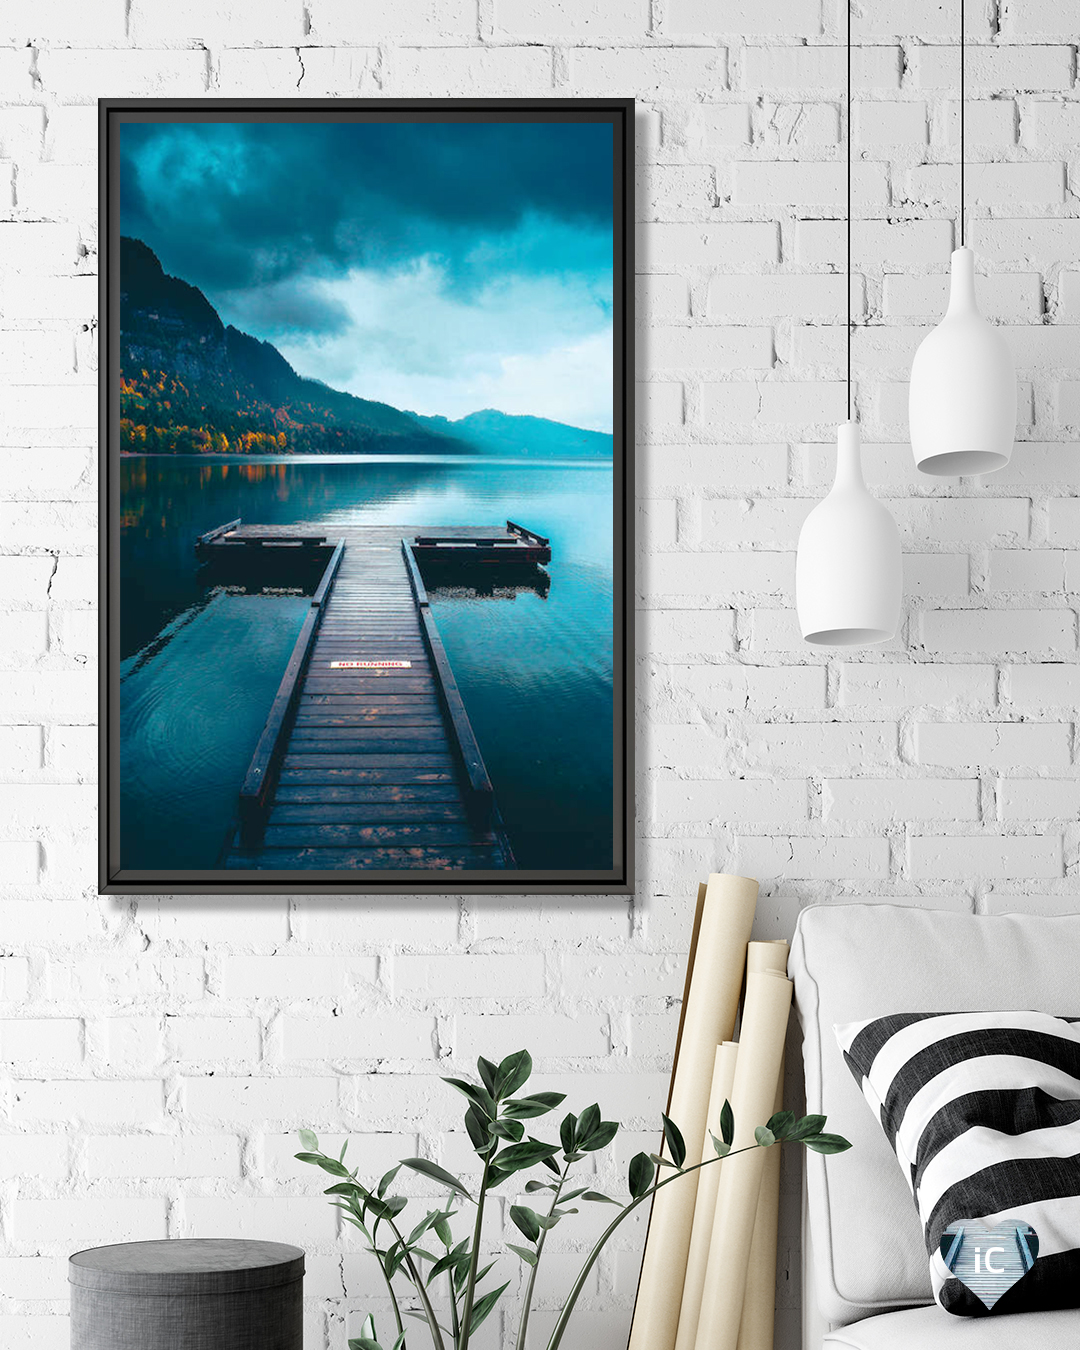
(962, 396)
(848, 570)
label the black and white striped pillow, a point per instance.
(983, 1112)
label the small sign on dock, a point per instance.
(370, 665)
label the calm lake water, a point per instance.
(200, 665)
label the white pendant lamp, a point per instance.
(962, 395)
(848, 570)
(848, 573)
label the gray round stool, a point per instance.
(188, 1294)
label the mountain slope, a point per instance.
(189, 383)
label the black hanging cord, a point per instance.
(849, 401)
(963, 47)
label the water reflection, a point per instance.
(484, 582)
(192, 707)
(536, 674)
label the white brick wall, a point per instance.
(157, 1055)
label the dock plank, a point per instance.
(370, 836)
(294, 794)
(372, 773)
(350, 777)
(383, 859)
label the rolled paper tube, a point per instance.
(767, 956)
(705, 1205)
(710, 1005)
(761, 1049)
(759, 1300)
(760, 956)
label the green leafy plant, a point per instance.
(419, 1263)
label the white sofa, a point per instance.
(865, 1278)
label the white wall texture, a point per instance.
(158, 1054)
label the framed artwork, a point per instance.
(367, 442)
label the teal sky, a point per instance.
(441, 267)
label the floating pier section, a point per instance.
(368, 760)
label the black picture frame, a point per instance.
(115, 880)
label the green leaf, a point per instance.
(386, 1179)
(484, 1305)
(662, 1162)
(442, 1230)
(527, 1256)
(599, 1197)
(422, 1227)
(478, 1131)
(513, 1073)
(601, 1136)
(727, 1124)
(531, 1187)
(349, 1218)
(341, 1155)
(805, 1127)
(509, 1129)
(641, 1174)
(330, 1165)
(572, 1195)
(827, 1143)
(480, 1097)
(352, 1188)
(675, 1142)
(400, 1342)
(366, 1340)
(519, 1156)
(553, 1166)
(436, 1173)
(568, 1133)
(722, 1149)
(588, 1121)
(781, 1124)
(526, 1220)
(488, 1072)
(538, 1104)
(764, 1136)
(310, 1140)
(484, 1271)
(449, 1261)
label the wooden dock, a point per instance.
(368, 760)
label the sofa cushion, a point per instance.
(932, 1329)
(983, 1113)
(856, 961)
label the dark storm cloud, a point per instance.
(230, 206)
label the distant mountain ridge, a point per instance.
(191, 384)
(504, 434)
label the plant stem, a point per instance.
(474, 1255)
(386, 1277)
(583, 1275)
(418, 1284)
(523, 1325)
(455, 1324)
